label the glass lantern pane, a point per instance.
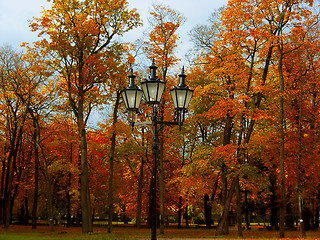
(124, 97)
(153, 91)
(188, 98)
(181, 97)
(138, 99)
(145, 90)
(160, 90)
(174, 97)
(131, 98)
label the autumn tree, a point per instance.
(284, 15)
(34, 88)
(60, 166)
(244, 41)
(300, 70)
(163, 40)
(78, 39)
(13, 116)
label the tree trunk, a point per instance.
(84, 186)
(11, 161)
(247, 210)
(27, 209)
(68, 190)
(49, 196)
(37, 140)
(140, 185)
(239, 209)
(281, 129)
(50, 202)
(36, 189)
(223, 227)
(207, 210)
(111, 162)
(316, 215)
(18, 170)
(77, 219)
(186, 216)
(2, 190)
(299, 182)
(274, 220)
(139, 197)
(12, 199)
(179, 212)
(221, 230)
(7, 190)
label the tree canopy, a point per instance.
(248, 149)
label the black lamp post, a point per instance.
(153, 89)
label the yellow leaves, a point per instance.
(225, 153)
(85, 24)
(222, 108)
(229, 106)
(80, 44)
(163, 37)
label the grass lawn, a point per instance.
(62, 233)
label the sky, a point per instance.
(16, 14)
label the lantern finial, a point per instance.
(153, 71)
(131, 79)
(182, 77)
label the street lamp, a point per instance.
(132, 96)
(153, 89)
(181, 97)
